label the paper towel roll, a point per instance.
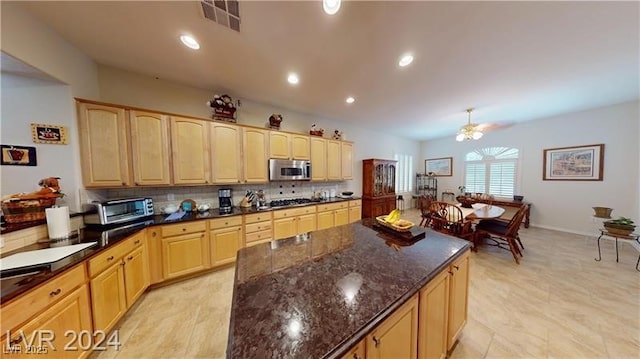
(58, 222)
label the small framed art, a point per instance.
(18, 155)
(49, 134)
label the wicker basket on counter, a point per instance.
(26, 210)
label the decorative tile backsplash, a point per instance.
(163, 196)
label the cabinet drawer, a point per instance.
(257, 227)
(183, 228)
(292, 212)
(332, 206)
(105, 259)
(225, 222)
(355, 203)
(36, 300)
(257, 217)
(259, 236)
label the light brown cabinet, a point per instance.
(300, 148)
(458, 298)
(334, 160)
(318, 159)
(397, 336)
(190, 151)
(225, 239)
(185, 249)
(150, 151)
(108, 297)
(258, 228)
(346, 156)
(291, 222)
(226, 153)
(434, 316)
(355, 210)
(333, 214)
(288, 146)
(357, 352)
(255, 144)
(104, 145)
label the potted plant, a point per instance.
(621, 225)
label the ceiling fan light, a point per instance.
(460, 137)
(477, 135)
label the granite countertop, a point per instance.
(17, 282)
(318, 294)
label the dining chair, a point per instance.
(447, 218)
(424, 202)
(503, 234)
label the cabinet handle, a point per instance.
(124, 184)
(376, 341)
(239, 228)
(226, 223)
(138, 241)
(456, 267)
(450, 272)
(136, 183)
(55, 292)
(129, 258)
(153, 234)
(184, 229)
(110, 258)
(356, 356)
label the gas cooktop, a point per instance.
(289, 202)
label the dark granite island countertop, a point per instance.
(316, 295)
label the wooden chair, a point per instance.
(424, 202)
(502, 233)
(448, 218)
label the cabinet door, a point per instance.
(279, 145)
(190, 147)
(326, 220)
(355, 214)
(346, 154)
(357, 352)
(255, 146)
(136, 274)
(318, 159)
(149, 148)
(108, 297)
(184, 254)
(104, 146)
(458, 297)
(284, 227)
(154, 250)
(334, 161)
(225, 243)
(397, 336)
(306, 223)
(226, 156)
(433, 316)
(341, 216)
(300, 149)
(70, 314)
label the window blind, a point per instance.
(475, 175)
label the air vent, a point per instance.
(224, 12)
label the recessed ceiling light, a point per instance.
(190, 42)
(405, 60)
(350, 99)
(293, 79)
(331, 6)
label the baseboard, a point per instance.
(566, 230)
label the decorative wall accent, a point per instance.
(50, 134)
(18, 155)
(440, 167)
(578, 163)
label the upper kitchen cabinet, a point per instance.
(150, 148)
(226, 153)
(334, 161)
(104, 146)
(288, 146)
(318, 159)
(346, 153)
(190, 148)
(255, 144)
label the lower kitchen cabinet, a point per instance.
(333, 214)
(136, 274)
(258, 228)
(458, 298)
(71, 314)
(355, 210)
(294, 221)
(185, 248)
(357, 352)
(108, 297)
(433, 314)
(397, 336)
(225, 238)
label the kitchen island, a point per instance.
(322, 294)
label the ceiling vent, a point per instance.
(224, 12)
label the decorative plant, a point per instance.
(623, 221)
(461, 189)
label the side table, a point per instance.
(632, 237)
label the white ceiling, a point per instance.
(512, 61)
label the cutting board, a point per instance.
(41, 256)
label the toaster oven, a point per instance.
(117, 211)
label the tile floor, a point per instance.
(558, 303)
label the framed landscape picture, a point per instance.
(579, 163)
(439, 166)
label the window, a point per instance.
(492, 170)
(404, 171)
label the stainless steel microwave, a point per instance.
(285, 170)
(117, 211)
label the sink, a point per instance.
(41, 257)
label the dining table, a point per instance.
(482, 211)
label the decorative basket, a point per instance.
(602, 212)
(465, 202)
(316, 133)
(619, 229)
(224, 113)
(382, 221)
(26, 210)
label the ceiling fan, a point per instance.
(473, 131)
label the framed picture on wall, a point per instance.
(49, 134)
(18, 155)
(578, 163)
(439, 166)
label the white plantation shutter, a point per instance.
(404, 170)
(492, 170)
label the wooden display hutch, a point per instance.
(378, 187)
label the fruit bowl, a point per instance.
(401, 226)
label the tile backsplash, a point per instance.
(163, 196)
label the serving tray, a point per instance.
(381, 220)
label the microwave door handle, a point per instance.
(125, 200)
